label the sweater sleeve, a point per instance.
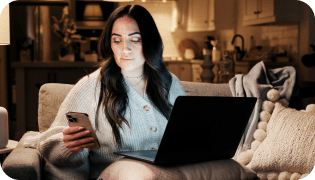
(50, 143)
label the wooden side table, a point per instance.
(11, 145)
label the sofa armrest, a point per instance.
(206, 89)
(23, 163)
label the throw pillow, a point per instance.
(290, 142)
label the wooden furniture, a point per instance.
(77, 9)
(270, 11)
(30, 76)
(186, 70)
(243, 67)
(11, 145)
(205, 15)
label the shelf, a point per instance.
(41, 2)
(184, 61)
(267, 63)
(91, 25)
(54, 64)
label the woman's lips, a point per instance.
(126, 59)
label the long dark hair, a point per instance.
(113, 94)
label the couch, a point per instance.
(27, 163)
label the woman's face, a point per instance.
(127, 46)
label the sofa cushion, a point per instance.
(290, 142)
(51, 95)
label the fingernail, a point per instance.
(80, 128)
(87, 131)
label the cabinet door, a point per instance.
(182, 9)
(196, 72)
(174, 68)
(199, 15)
(185, 72)
(34, 78)
(266, 8)
(271, 11)
(69, 75)
(251, 9)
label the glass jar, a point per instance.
(226, 68)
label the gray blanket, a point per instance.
(256, 84)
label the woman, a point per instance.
(128, 99)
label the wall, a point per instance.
(295, 38)
(307, 37)
(164, 16)
(3, 77)
(282, 38)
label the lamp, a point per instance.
(4, 128)
(118, 0)
(5, 26)
(93, 11)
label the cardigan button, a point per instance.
(146, 108)
(153, 128)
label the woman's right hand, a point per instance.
(75, 138)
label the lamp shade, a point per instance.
(5, 26)
(93, 11)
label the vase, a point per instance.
(4, 128)
(189, 54)
(69, 57)
(207, 74)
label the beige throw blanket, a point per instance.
(256, 84)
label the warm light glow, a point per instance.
(174, 18)
(118, 0)
(5, 26)
(93, 11)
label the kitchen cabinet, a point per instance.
(186, 70)
(205, 15)
(270, 11)
(200, 15)
(243, 67)
(30, 76)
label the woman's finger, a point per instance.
(73, 129)
(75, 136)
(79, 142)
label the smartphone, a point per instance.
(82, 119)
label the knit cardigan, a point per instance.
(146, 122)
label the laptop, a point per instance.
(200, 128)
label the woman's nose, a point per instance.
(126, 47)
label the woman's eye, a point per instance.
(116, 40)
(136, 39)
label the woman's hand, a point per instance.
(75, 138)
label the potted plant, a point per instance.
(65, 28)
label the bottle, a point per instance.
(226, 71)
(252, 43)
